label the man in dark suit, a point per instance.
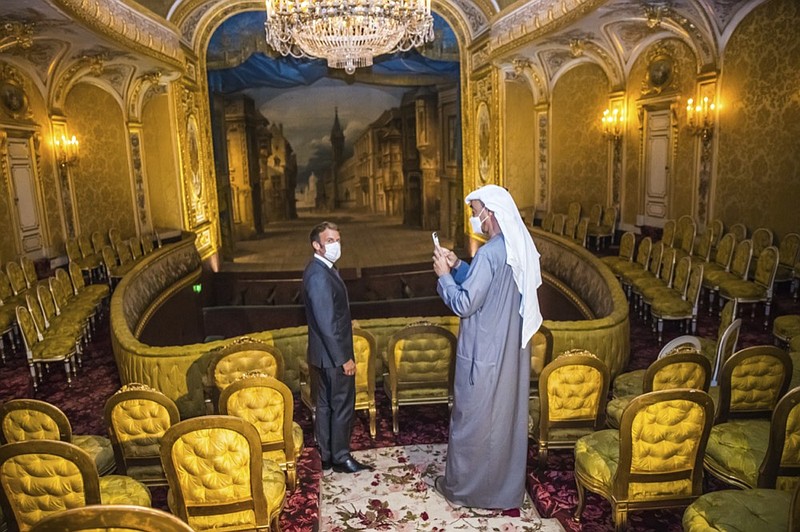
(330, 350)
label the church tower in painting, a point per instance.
(337, 143)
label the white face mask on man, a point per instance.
(476, 222)
(333, 251)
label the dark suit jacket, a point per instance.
(330, 332)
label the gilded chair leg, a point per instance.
(291, 476)
(373, 429)
(276, 523)
(395, 422)
(710, 301)
(581, 500)
(620, 518)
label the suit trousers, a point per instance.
(336, 401)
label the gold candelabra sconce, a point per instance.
(613, 123)
(700, 117)
(66, 150)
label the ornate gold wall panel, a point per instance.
(758, 171)
(519, 138)
(102, 176)
(579, 154)
(160, 147)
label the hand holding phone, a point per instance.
(435, 237)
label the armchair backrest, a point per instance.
(627, 244)
(61, 293)
(661, 456)
(739, 230)
(6, 292)
(655, 258)
(668, 233)
(114, 238)
(726, 346)
(574, 211)
(541, 353)
(42, 477)
(120, 517)
(29, 270)
(31, 419)
(762, 239)
(85, 245)
(685, 367)
(547, 222)
(752, 381)
(781, 466)
(667, 267)
(719, 230)
(595, 214)
(573, 390)
(45, 297)
(66, 279)
(789, 248)
(609, 217)
(35, 308)
(109, 258)
(365, 353)
(147, 244)
(267, 403)
(124, 253)
(73, 250)
(743, 254)
(644, 251)
(136, 247)
(694, 286)
(137, 417)
(674, 345)
(582, 231)
(766, 267)
(75, 278)
(680, 281)
(569, 227)
(702, 250)
(98, 242)
(558, 224)
(687, 237)
(211, 488)
(724, 253)
(17, 277)
(684, 224)
(30, 335)
(420, 357)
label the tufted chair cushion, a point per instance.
(630, 383)
(756, 509)
(654, 460)
(30, 419)
(784, 328)
(738, 447)
(640, 262)
(41, 477)
(268, 404)
(756, 383)
(217, 476)
(235, 365)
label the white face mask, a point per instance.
(476, 222)
(333, 251)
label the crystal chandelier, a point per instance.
(348, 33)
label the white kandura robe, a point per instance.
(488, 445)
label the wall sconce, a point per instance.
(700, 117)
(66, 150)
(612, 123)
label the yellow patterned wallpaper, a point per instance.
(160, 149)
(7, 249)
(579, 151)
(520, 149)
(102, 177)
(683, 170)
(759, 122)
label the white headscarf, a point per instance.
(521, 253)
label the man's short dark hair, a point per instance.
(319, 228)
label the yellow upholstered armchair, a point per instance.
(547, 222)
(541, 356)
(662, 276)
(420, 359)
(217, 476)
(581, 232)
(571, 402)
(762, 239)
(679, 307)
(702, 249)
(119, 517)
(722, 256)
(558, 224)
(137, 417)
(739, 230)
(789, 252)
(654, 460)
(684, 367)
(16, 276)
(760, 289)
(231, 361)
(686, 233)
(31, 419)
(758, 453)
(751, 382)
(640, 262)
(751, 509)
(40, 352)
(365, 353)
(651, 270)
(740, 265)
(719, 229)
(42, 477)
(608, 224)
(655, 290)
(29, 269)
(267, 403)
(631, 383)
(627, 246)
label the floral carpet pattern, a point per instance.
(399, 496)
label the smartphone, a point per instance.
(435, 237)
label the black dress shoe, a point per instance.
(351, 465)
(326, 465)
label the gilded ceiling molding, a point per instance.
(88, 64)
(128, 27)
(533, 20)
(15, 34)
(525, 68)
(472, 13)
(140, 92)
(702, 43)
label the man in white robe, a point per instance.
(495, 296)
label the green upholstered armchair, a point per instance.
(267, 403)
(41, 352)
(641, 261)
(687, 231)
(234, 490)
(758, 453)
(595, 215)
(702, 248)
(17, 278)
(654, 460)
(64, 324)
(420, 359)
(119, 517)
(679, 307)
(762, 239)
(232, 360)
(571, 401)
(751, 382)
(784, 328)
(581, 232)
(668, 233)
(684, 367)
(98, 242)
(788, 251)
(719, 229)
(662, 278)
(574, 212)
(676, 288)
(627, 246)
(740, 265)
(43, 477)
(136, 418)
(723, 255)
(547, 222)
(760, 289)
(558, 224)
(751, 509)
(29, 269)
(606, 228)
(653, 267)
(739, 230)
(365, 356)
(31, 419)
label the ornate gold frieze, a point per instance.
(16, 34)
(92, 64)
(128, 27)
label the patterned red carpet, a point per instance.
(553, 490)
